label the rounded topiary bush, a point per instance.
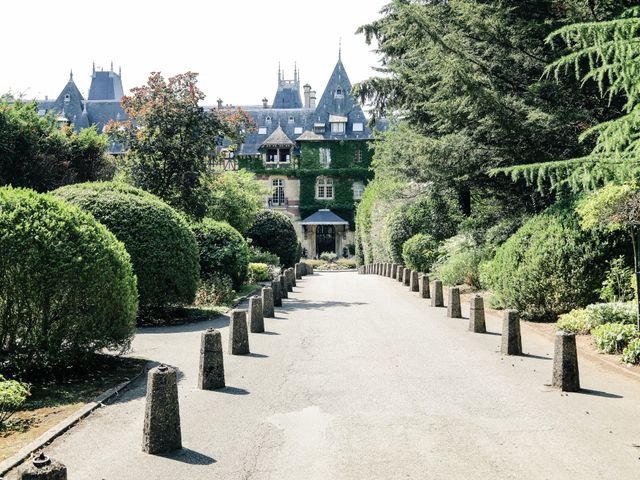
(274, 232)
(550, 265)
(223, 251)
(67, 287)
(434, 213)
(162, 247)
(419, 252)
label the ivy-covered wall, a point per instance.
(344, 169)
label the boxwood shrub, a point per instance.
(274, 232)
(419, 252)
(223, 251)
(550, 265)
(162, 247)
(67, 287)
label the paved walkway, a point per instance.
(359, 379)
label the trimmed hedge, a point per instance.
(274, 232)
(162, 247)
(223, 251)
(419, 252)
(550, 265)
(67, 287)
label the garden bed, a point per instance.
(56, 397)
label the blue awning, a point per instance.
(324, 216)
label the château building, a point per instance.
(314, 157)
(101, 105)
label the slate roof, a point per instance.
(323, 216)
(102, 106)
(298, 123)
(278, 139)
(105, 86)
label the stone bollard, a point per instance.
(400, 274)
(511, 341)
(267, 302)
(283, 286)
(310, 269)
(437, 299)
(211, 371)
(43, 468)
(238, 335)
(394, 271)
(406, 277)
(476, 315)
(287, 280)
(384, 269)
(277, 296)
(453, 305)
(298, 270)
(414, 283)
(424, 286)
(256, 317)
(292, 274)
(565, 362)
(162, 413)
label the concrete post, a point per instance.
(476, 315)
(511, 341)
(292, 275)
(400, 276)
(238, 335)
(162, 413)
(424, 286)
(43, 468)
(277, 295)
(565, 362)
(267, 302)
(437, 299)
(414, 283)
(298, 271)
(406, 277)
(453, 305)
(283, 286)
(256, 317)
(287, 280)
(394, 271)
(211, 371)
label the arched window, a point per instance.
(268, 119)
(324, 188)
(291, 119)
(339, 92)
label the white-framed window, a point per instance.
(358, 189)
(337, 127)
(357, 156)
(325, 157)
(318, 127)
(277, 196)
(298, 130)
(262, 131)
(358, 127)
(324, 188)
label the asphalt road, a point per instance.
(357, 378)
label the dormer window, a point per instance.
(339, 93)
(268, 119)
(338, 127)
(338, 124)
(292, 120)
(67, 97)
(262, 131)
(318, 127)
(358, 126)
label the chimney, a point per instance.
(265, 103)
(219, 104)
(307, 92)
(312, 99)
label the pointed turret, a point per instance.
(288, 94)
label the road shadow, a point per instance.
(269, 333)
(256, 355)
(190, 457)
(316, 305)
(598, 393)
(233, 391)
(537, 357)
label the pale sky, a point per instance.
(235, 45)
